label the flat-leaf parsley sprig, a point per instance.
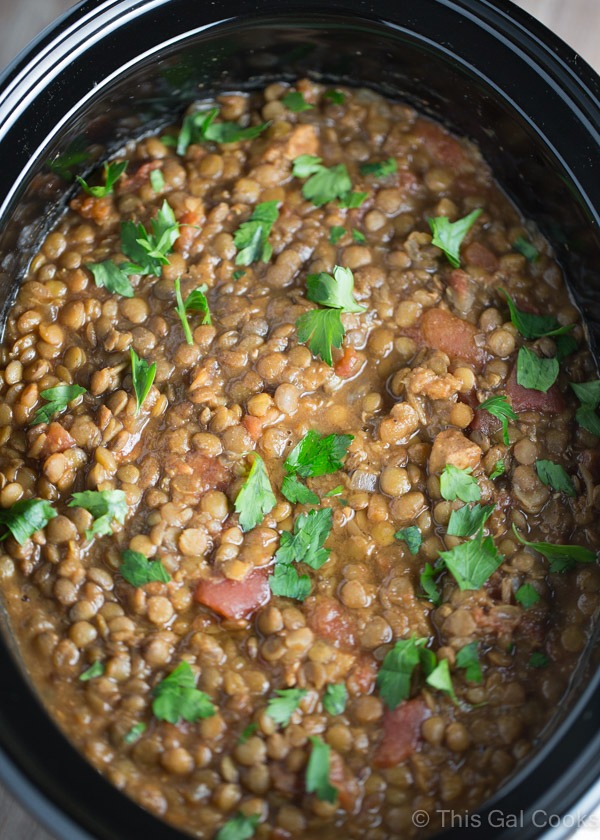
(252, 237)
(448, 236)
(195, 302)
(112, 173)
(256, 497)
(201, 127)
(322, 329)
(326, 183)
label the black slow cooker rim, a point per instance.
(71, 819)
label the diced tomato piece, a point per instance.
(212, 472)
(253, 425)
(331, 622)
(361, 679)
(527, 399)
(533, 627)
(444, 148)
(133, 180)
(407, 181)
(479, 256)
(345, 783)
(57, 440)
(459, 281)
(401, 732)
(349, 364)
(235, 599)
(452, 335)
(90, 207)
(484, 422)
(188, 230)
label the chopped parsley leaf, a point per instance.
(380, 168)
(26, 517)
(556, 477)
(440, 678)
(135, 733)
(114, 278)
(533, 326)
(535, 372)
(112, 173)
(195, 302)
(353, 200)
(240, 827)
(201, 126)
(142, 375)
(428, 584)
(95, 670)
(57, 399)
(336, 233)
(316, 455)
(148, 251)
(335, 96)
(317, 771)
(588, 394)
(138, 570)
(394, 677)
(471, 563)
(412, 537)
(449, 235)
(321, 330)
(157, 180)
(295, 102)
(499, 469)
(468, 658)
(527, 595)
(459, 484)
(247, 732)
(335, 698)
(176, 697)
(334, 291)
(523, 246)
(538, 660)
(306, 165)
(252, 237)
(324, 183)
(561, 557)
(282, 707)
(327, 184)
(296, 492)
(336, 491)
(287, 583)
(106, 506)
(256, 497)
(500, 407)
(467, 520)
(306, 544)
(588, 419)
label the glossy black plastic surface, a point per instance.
(111, 69)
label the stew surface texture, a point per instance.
(271, 565)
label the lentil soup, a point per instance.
(300, 500)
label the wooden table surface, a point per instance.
(576, 21)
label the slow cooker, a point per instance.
(110, 70)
